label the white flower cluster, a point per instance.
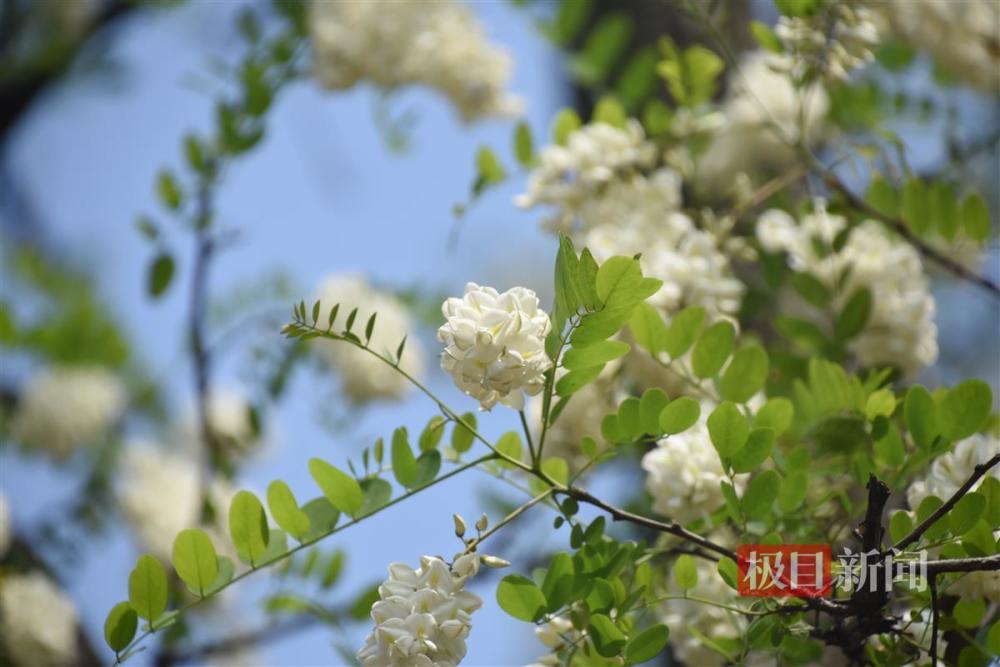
(495, 344)
(962, 37)
(38, 622)
(684, 473)
(831, 43)
(763, 110)
(688, 619)
(900, 331)
(556, 633)
(422, 616)
(946, 475)
(595, 155)
(160, 495)
(64, 407)
(365, 378)
(439, 44)
(228, 412)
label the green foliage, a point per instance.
(646, 645)
(691, 74)
(680, 415)
(565, 123)
(147, 591)
(195, 560)
(964, 409)
(120, 626)
(520, 598)
(760, 495)
(286, 512)
(463, 435)
(340, 489)
(607, 638)
(712, 349)
(685, 572)
(728, 428)
(248, 528)
(745, 375)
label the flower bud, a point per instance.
(459, 526)
(483, 523)
(494, 562)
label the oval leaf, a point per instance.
(120, 626)
(340, 489)
(195, 560)
(285, 510)
(248, 527)
(147, 588)
(521, 598)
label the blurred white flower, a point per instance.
(900, 330)
(228, 412)
(160, 495)
(439, 44)
(6, 526)
(950, 470)
(962, 37)
(64, 407)
(595, 155)
(495, 344)
(684, 473)
(831, 43)
(763, 111)
(423, 616)
(38, 622)
(686, 617)
(365, 378)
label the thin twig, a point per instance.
(932, 583)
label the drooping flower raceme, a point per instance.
(495, 344)
(365, 378)
(439, 44)
(570, 175)
(900, 330)
(62, 408)
(229, 414)
(423, 615)
(684, 473)
(830, 43)
(38, 622)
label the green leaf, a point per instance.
(521, 598)
(603, 47)
(993, 637)
(285, 510)
(811, 289)
(224, 574)
(652, 403)
(509, 444)
(882, 196)
(629, 422)
(854, 316)
(618, 280)
(975, 216)
(340, 489)
(990, 488)
(712, 349)
(928, 506)
(690, 74)
(524, 145)
(404, 464)
(964, 409)
(120, 626)
(966, 513)
(463, 434)
(648, 328)
(248, 527)
(432, 433)
(637, 81)
(728, 572)
(161, 272)
(323, 518)
(147, 588)
(570, 20)
(646, 645)
(745, 375)
(558, 587)
(680, 414)
(761, 494)
(969, 612)
(765, 37)
(608, 639)
(195, 560)
(568, 299)
(895, 55)
(556, 468)
(428, 466)
(610, 111)
(889, 449)
(683, 331)
(488, 167)
(758, 448)
(377, 493)
(574, 381)
(587, 280)
(881, 403)
(793, 491)
(596, 354)
(915, 206)
(900, 525)
(776, 415)
(169, 190)
(944, 209)
(566, 122)
(685, 572)
(728, 429)
(920, 415)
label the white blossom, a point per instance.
(423, 615)
(436, 43)
(763, 111)
(365, 378)
(38, 622)
(64, 407)
(6, 526)
(683, 473)
(962, 37)
(687, 617)
(160, 495)
(594, 156)
(830, 43)
(495, 344)
(900, 330)
(228, 413)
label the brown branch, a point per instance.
(901, 228)
(932, 582)
(980, 564)
(978, 472)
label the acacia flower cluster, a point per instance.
(439, 44)
(363, 377)
(38, 622)
(495, 344)
(228, 412)
(830, 43)
(65, 407)
(900, 330)
(423, 615)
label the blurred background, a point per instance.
(355, 182)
